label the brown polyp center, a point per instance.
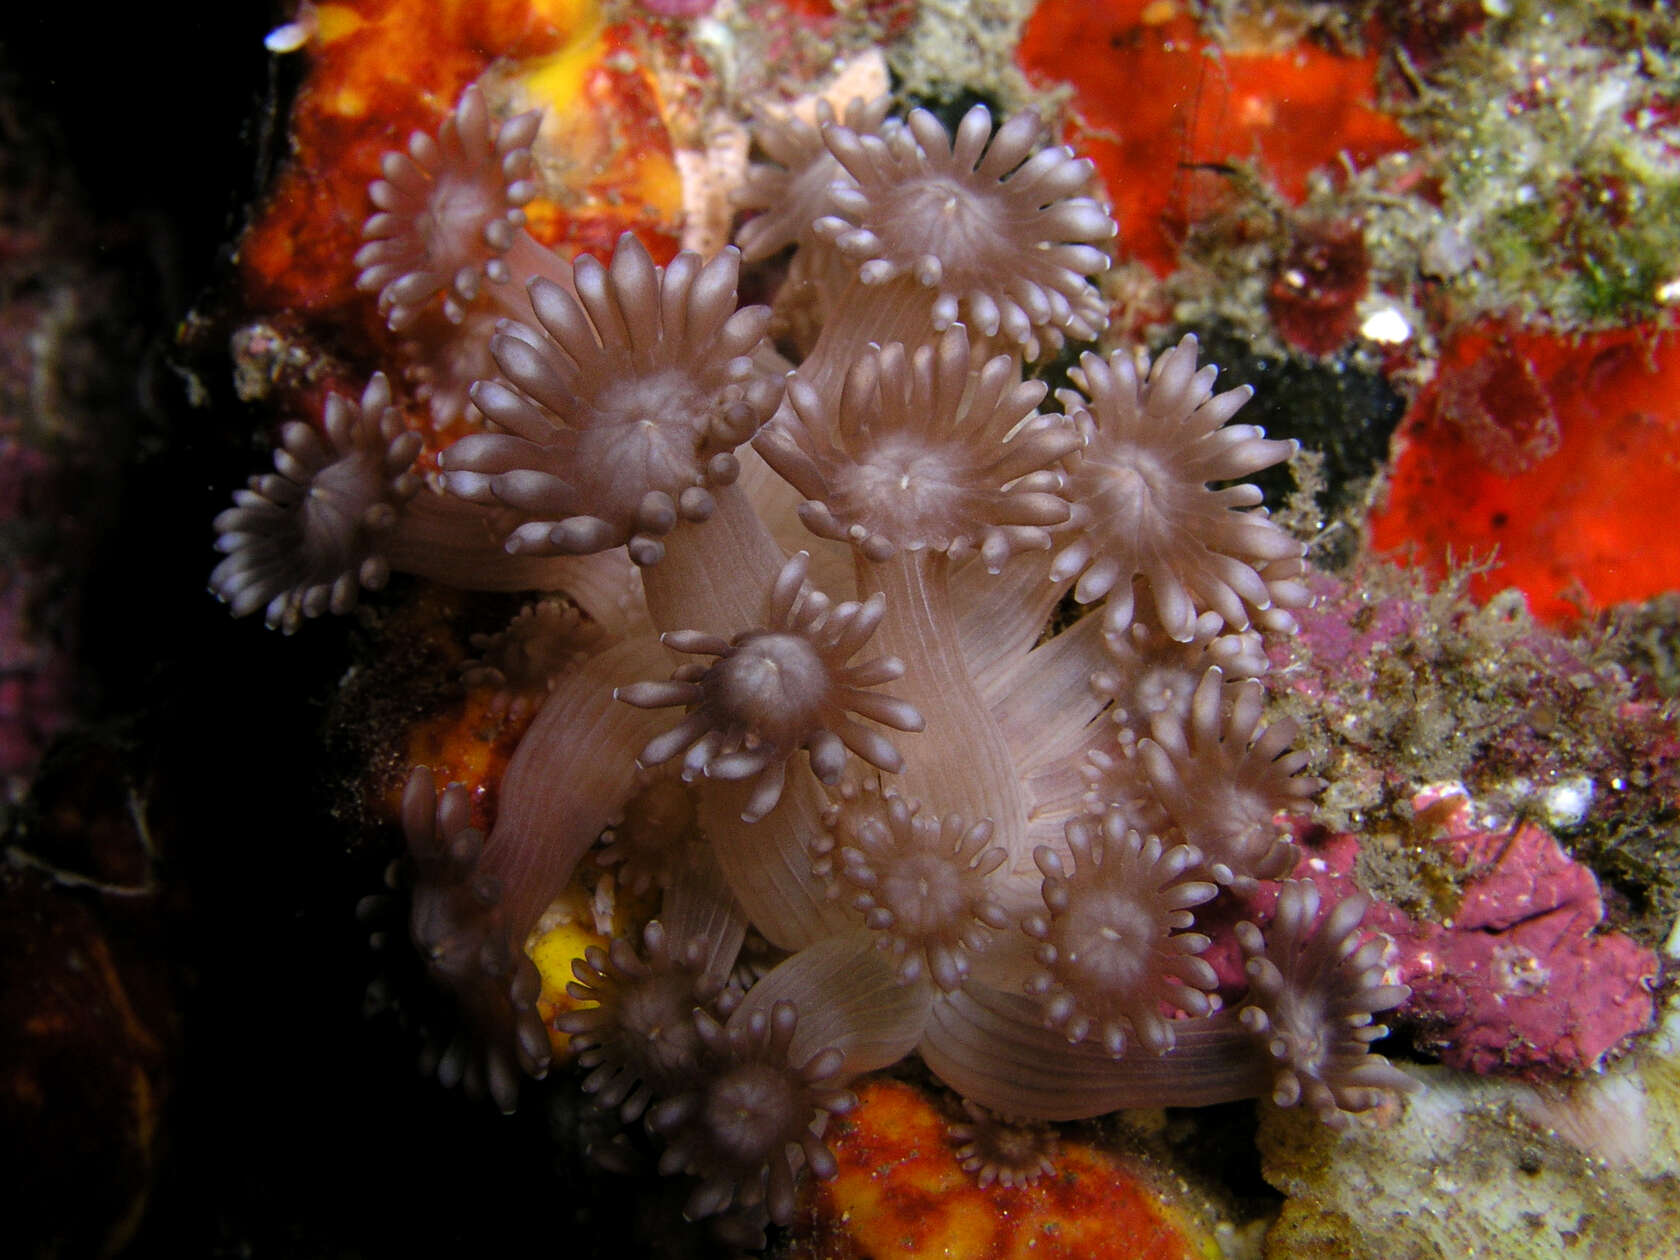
(773, 684)
(924, 892)
(904, 490)
(1104, 940)
(938, 216)
(338, 497)
(748, 1112)
(1130, 488)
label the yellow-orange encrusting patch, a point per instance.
(553, 949)
(464, 744)
(902, 1195)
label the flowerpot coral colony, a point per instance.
(796, 659)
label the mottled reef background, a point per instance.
(190, 1064)
(184, 1061)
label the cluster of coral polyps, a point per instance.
(796, 664)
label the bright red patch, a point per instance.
(1561, 453)
(1155, 109)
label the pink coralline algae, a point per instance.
(1518, 979)
(1409, 684)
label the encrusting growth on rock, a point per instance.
(998, 848)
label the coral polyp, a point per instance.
(791, 191)
(990, 226)
(995, 1150)
(637, 1035)
(621, 409)
(773, 689)
(1315, 987)
(1222, 777)
(459, 925)
(447, 212)
(1145, 512)
(752, 1113)
(920, 881)
(1005, 844)
(305, 538)
(927, 454)
(1114, 954)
